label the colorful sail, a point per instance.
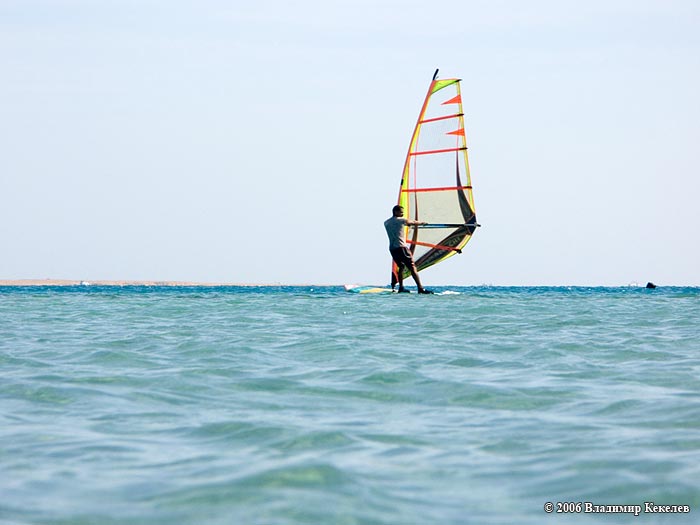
(436, 184)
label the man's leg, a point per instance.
(414, 274)
(399, 274)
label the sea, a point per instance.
(290, 405)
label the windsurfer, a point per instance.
(396, 230)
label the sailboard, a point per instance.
(359, 288)
(436, 186)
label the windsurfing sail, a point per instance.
(436, 184)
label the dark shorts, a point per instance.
(402, 256)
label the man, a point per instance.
(396, 230)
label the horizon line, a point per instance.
(194, 284)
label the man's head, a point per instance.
(397, 211)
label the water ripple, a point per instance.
(297, 405)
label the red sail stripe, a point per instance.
(446, 188)
(442, 118)
(430, 152)
(438, 246)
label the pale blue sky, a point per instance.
(224, 141)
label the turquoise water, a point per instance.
(300, 405)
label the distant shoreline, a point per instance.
(71, 282)
(193, 284)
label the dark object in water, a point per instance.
(651, 285)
